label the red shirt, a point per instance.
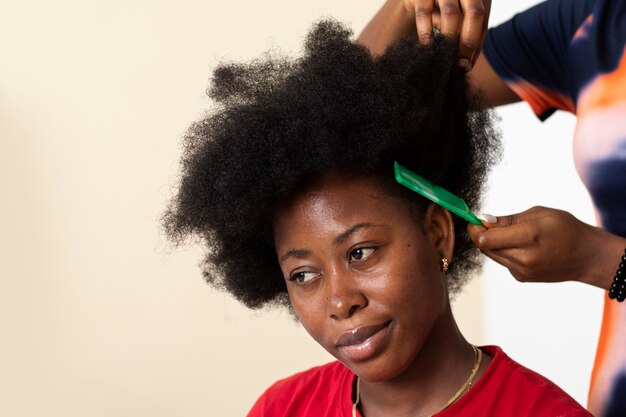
(506, 389)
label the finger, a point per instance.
(487, 219)
(450, 17)
(497, 257)
(474, 231)
(509, 263)
(499, 221)
(487, 4)
(437, 20)
(424, 20)
(520, 235)
(532, 214)
(472, 29)
(477, 52)
(409, 5)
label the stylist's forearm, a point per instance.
(393, 21)
(607, 250)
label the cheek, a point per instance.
(296, 305)
(416, 280)
(309, 314)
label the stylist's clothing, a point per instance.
(505, 389)
(569, 55)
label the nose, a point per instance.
(345, 297)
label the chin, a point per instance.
(377, 371)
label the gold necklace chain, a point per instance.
(478, 357)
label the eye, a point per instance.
(303, 276)
(360, 254)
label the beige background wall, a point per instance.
(98, 316)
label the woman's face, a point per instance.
(363, 276)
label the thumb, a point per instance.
(490, 221)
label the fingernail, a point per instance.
(487, 218)
(464, 63)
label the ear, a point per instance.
(439, 228)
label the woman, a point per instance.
(559, 55)
(290, 183)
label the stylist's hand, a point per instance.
(548, 245)
(464, 18)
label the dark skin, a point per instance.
(354, 258)
(526, 243)
(466, 19)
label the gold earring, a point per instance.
(444, 264)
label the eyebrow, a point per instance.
(341, 238)
(295, 253)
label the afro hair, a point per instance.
(277, 121)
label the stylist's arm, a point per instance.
(548, 245)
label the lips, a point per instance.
(363, 342)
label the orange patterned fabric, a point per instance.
(570, 55)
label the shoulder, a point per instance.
(507, 385)
(531, 53)
(305, 392)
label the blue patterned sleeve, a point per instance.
(530, 52)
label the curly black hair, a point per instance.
(278, 121)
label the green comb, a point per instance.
(434, 193)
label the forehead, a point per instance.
(335, 201)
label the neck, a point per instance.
(442, 366)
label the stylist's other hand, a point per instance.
(549, 245)
(466, 19)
